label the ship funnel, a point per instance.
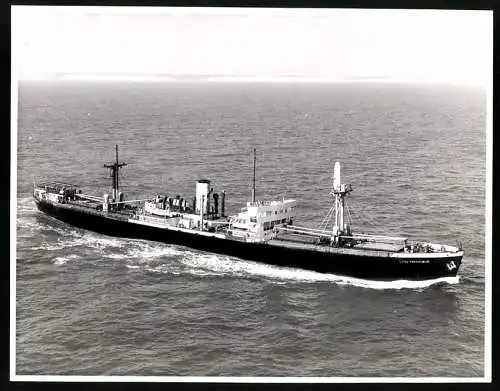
(202, 191)
(336, 176)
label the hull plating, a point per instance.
(358, 266)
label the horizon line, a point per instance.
(239, 78)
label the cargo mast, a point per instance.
(253, 185)
(115, 175)
(339, 191)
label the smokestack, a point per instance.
(202, 192)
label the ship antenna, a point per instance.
(115, 174)
(253, 186)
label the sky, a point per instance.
(416, 45)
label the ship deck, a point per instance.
(358, 251)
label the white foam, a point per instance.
(91, 240)
(220, 265)
(87, 240)
(143, 251)
(56, 226)
(163, 269)
(146, 252)
(116, 256)
(28, 207)
(204, 273)
(49, 247)
(25, 205)
(31, 226)
(213, 262)
(397, 284)
(155, 270)
(64, 260)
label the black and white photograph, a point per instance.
(251, 194)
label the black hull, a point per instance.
(380, 268)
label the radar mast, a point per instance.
(339, 192)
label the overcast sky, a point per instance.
(453, 46)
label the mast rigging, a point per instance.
(114, 167)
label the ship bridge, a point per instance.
(257, 219)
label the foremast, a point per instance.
(114, 167)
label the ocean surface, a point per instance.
(88, 304)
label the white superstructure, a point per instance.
(256, 221)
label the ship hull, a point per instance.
(380, 267)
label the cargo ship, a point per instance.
(263, 231)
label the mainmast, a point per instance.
(253, 186)
(115, 175)
(339, 191)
